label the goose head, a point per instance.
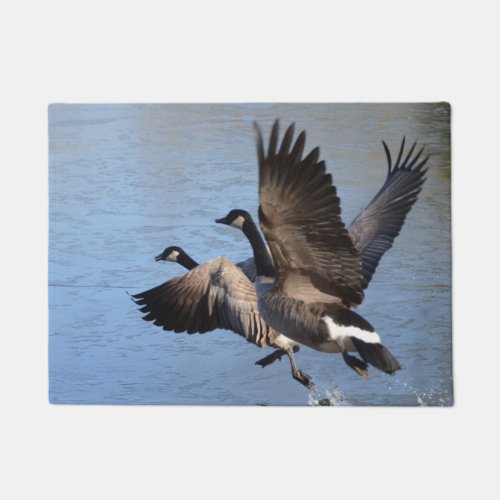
(235, 218)
(170, 254)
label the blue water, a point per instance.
(128, 180)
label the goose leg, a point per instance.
(275, 355)
(360, 367)
(297, 374)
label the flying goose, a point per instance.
(372, 231)
(216, 294)
(319, 269)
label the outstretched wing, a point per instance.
(248, 267)
(213, 295)
(300, 217)
(374, 229)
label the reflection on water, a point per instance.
(128, 180)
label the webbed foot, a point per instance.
(360, 367)
(303, 378)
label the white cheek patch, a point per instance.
(238, 222)
(340, 333)
(172, 256)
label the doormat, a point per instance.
(250, 254)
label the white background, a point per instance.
(96, 51)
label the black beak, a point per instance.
(221, 221)
(159, 257)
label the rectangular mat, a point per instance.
(127, 181)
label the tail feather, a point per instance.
(377, 355)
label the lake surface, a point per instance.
(126, 181)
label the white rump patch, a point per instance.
(172, 256)
(341, 333)
(238, 222)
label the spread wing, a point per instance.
(248, 267)
(300, 217)
(374, 229)
(213, 295)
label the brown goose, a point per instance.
(319, 269)
(216, 294)
(372, 232)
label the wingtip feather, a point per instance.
(408, 156)
(260, 142)
(287, 140)
(400, 154)
(389, 159)
(273, 140)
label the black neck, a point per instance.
(185, 260)
(263, 262)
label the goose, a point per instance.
(372, 231)
(212, 295)
(318, 269)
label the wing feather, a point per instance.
(373, 231)
(299, 215)
(213, 295)
(248, 267)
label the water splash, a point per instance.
(429, 397)
(332, 397)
